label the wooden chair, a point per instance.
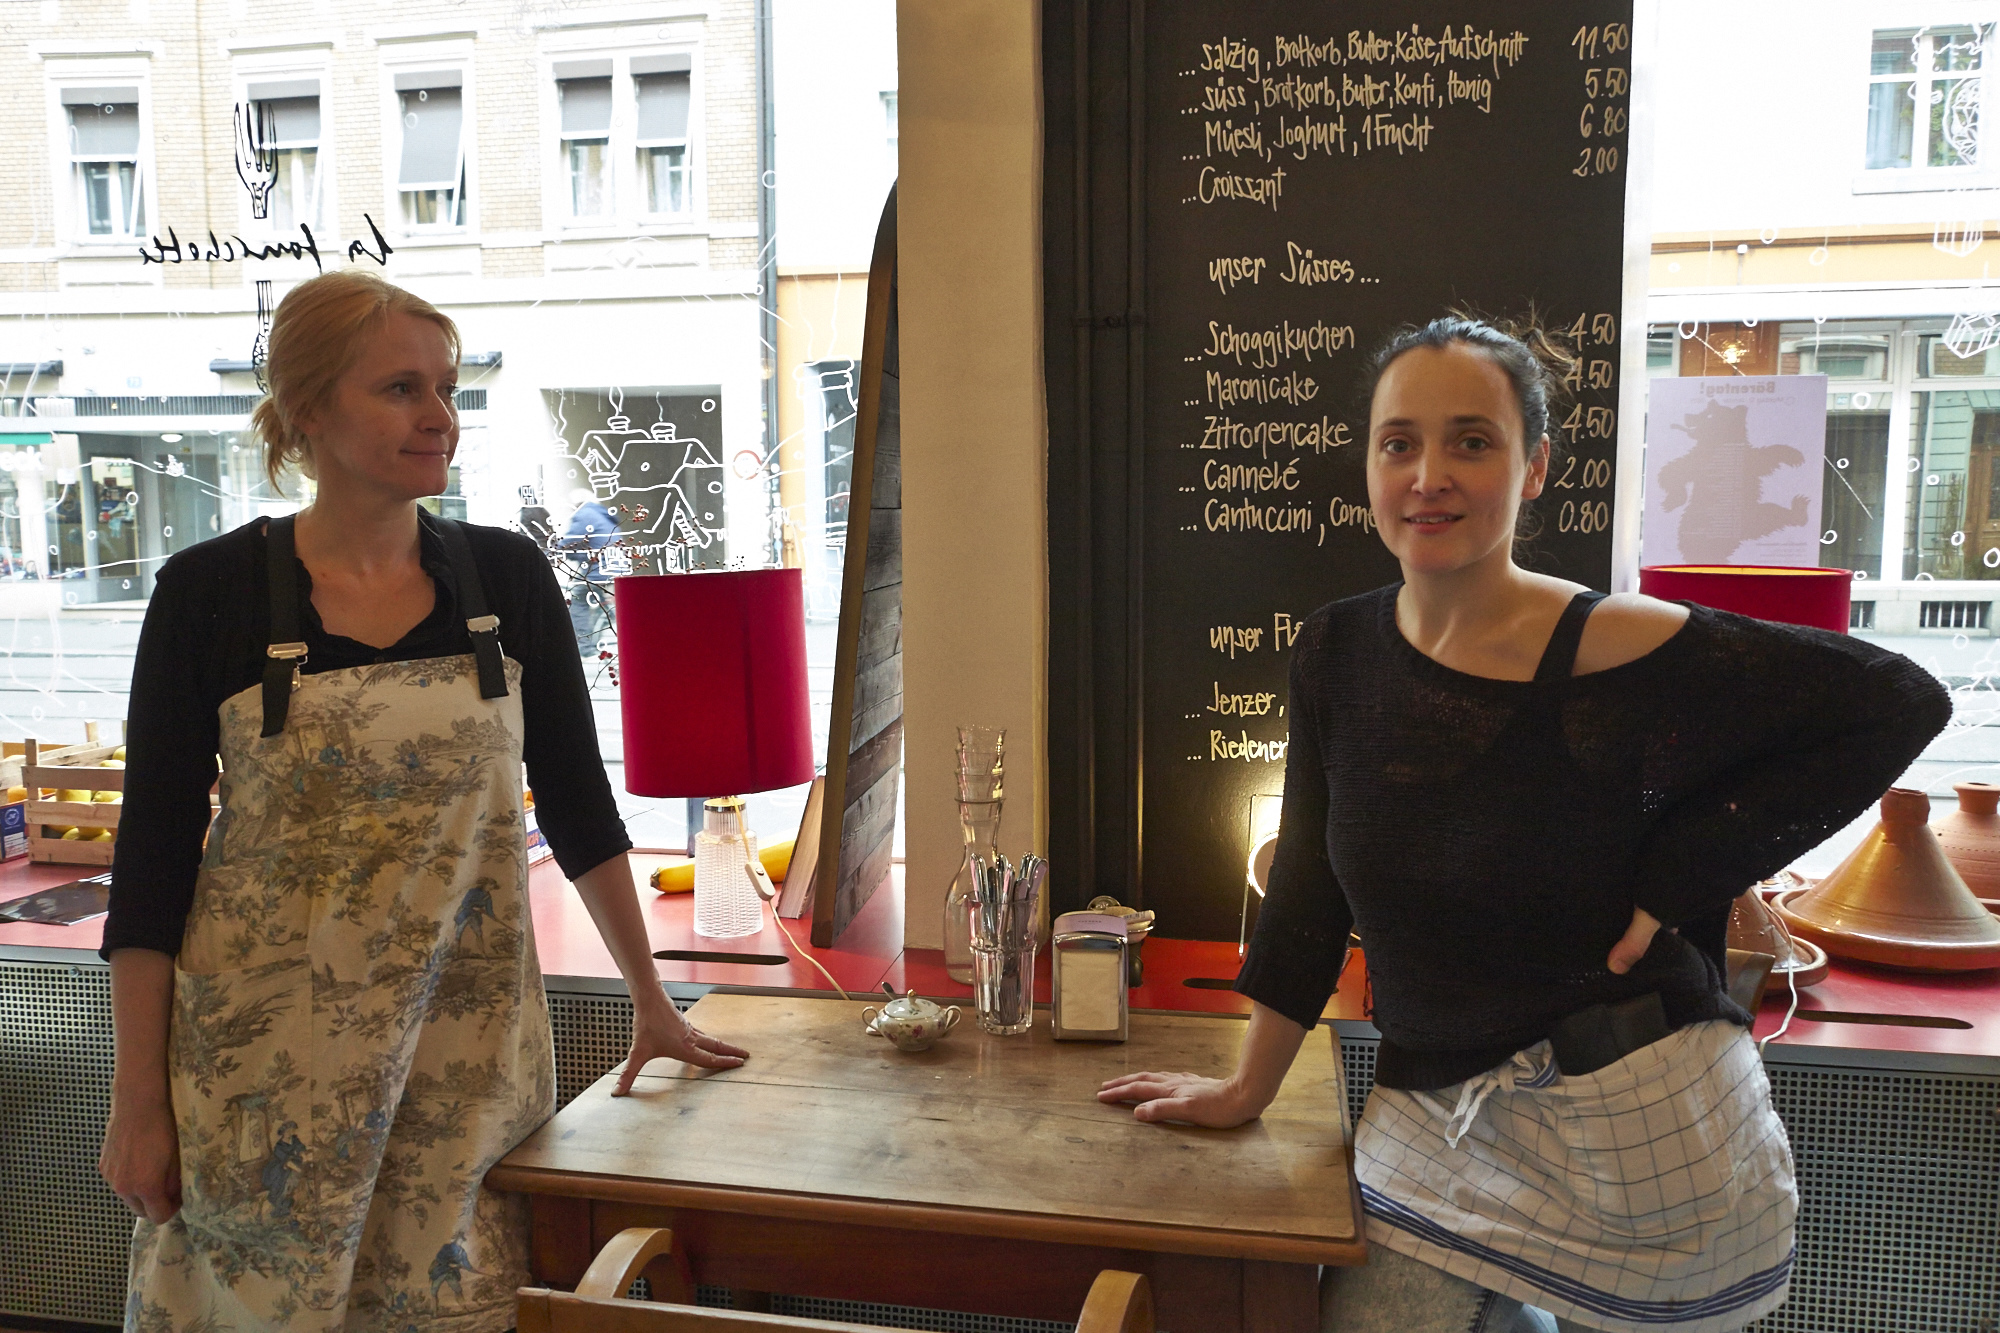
(1117, 1303)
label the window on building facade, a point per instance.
(662, 91)
(583, 89)
(287, 116)
(1924, 94)
(889, 120)
(105, 161)
(430, 173)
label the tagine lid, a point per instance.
(1896, 900)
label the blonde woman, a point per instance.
(330, 1022)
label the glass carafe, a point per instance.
(980, 822)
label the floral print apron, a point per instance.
(359, 1030)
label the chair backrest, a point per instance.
(1117, 1302)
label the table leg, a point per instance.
(1192, 1294)
(1280, 1298)
(559, 1240)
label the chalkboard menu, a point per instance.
(1245, 200)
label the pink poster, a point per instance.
(1733, 470)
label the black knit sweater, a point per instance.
(1488, 839)
(204, 641)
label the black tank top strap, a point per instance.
(1559, 658)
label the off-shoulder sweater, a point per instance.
(1488, 839)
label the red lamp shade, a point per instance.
(1813, 597)
(712, 670)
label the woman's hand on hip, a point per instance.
(659, 1032)
(141, 1158)
(1213, 1102)
(1632, 946)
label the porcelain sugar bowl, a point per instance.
(912, 1023)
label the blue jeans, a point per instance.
(589, 614)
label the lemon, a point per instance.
(107, 797)
(74, 794)
(119, 754)
(73, 835)
(102, 835)
(111, 763)
(16, 794)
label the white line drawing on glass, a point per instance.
(261, 348)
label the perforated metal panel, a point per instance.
(1899, 1181)
(1358, 1058)
(1899, 1197)
(592, 1035)
(64, 1236)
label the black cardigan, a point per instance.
(203, 641)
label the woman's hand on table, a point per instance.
(1215, 1103)
(659, 1032)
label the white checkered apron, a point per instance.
(1656, 1193)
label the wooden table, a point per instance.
(981, 1175)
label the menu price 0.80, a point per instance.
(1586, 516)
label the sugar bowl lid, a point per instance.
(911, 1006)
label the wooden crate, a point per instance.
(70, 768)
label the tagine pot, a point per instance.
(1970, 836)
(1896, 900)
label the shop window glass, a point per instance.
(586, 138)
(431, 170)
(105, 160)
(129, 388)
(1852, 505)
(1807, 349)
(1953, 516)
(1924, 95)
(663, 97)
(1661, 355)
(289, 123)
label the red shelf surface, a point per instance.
(872, 952)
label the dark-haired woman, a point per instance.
(329, 1020)
(1534, 804)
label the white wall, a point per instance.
(975, 428)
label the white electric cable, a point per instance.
(758, 880)
(1791, 979)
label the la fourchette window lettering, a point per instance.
(234, 249)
